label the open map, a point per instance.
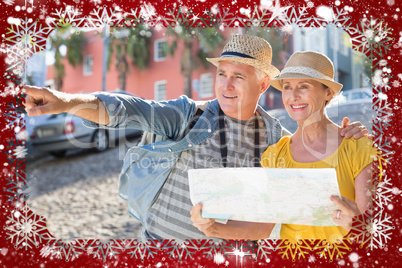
(293, 196)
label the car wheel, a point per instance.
(58, 154)
(101, 140)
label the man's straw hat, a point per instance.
(309, 65)
(250, 50)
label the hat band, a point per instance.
(313, 73)
(235, 54)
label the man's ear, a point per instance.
(330, 94)
(264, 84)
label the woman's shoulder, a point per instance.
(280, 144)
(280, 147)
(362, 143)
(360, 147)
(275, 154)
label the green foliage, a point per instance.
(74, 42)
(133, 42)
(138, 50)
(273, 36)
(208, 38)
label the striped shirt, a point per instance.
(169, 217)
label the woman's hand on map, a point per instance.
(202, 224)
(347, 210)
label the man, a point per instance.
(231, 132)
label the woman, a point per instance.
(307, 87)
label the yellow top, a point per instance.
(351, 157)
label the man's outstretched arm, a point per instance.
(42, 100)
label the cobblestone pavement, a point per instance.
(78, 195)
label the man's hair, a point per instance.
(258, 73)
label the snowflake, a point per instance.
(180, 250)
(20, 152)
(11, 90)
(299, 248)
(219, 258)
(43, 10)
(372, 231)
(142, 250)
(15, 194)
(331, 250)
(396, 83)
(277, 11)
(14, 143)
(13, 114)
(25, 39)
(9, 2)
(384, 192)
(25, 228)
(391, 2)
(148, 11)
(105, 250)
(103, 16)
(310, 4)
(32, 187)
(46, 251)
(240, 250)
(60, 249)
(373, 38)
(266, 247)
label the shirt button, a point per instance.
(190, 145)
(209, 130)
(153, 147)
(170, 149)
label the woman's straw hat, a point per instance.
(250, 50)
(309, 65)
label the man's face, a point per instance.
(238, 89)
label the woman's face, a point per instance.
(304, 98)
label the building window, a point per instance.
(334, 38)
(303, 39)
(344, 39)
(88, 65)
(206, 89)
(159, 50)
(339, 40)
(160, 90)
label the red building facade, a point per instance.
(161, 80)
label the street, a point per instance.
(78, 195)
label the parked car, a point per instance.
(57, 133)
(356, 105)
(26, 133)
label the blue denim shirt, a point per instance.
(146, 168)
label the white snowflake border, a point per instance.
(30, 37)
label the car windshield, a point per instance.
(360, 95)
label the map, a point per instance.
(292, 196)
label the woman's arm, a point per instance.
(347, 209)
(232, 229)
(364, 188)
